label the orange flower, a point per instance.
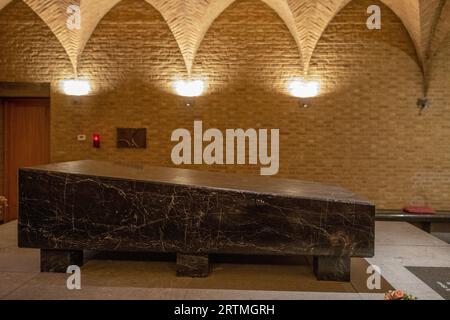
(398, 295)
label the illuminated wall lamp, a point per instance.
(76, 87)
(305, 90)
(189, 89)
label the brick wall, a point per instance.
(363, 132)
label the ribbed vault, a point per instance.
(427, 21)
(54, 14)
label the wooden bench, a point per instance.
(423, 221)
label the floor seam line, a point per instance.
(19, 287)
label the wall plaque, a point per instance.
(131, 138)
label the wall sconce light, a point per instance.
(305, 90)
(189, 89)
(76, 87)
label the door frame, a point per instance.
(19, 90)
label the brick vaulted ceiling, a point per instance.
(427, 21)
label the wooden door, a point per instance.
(27, 143)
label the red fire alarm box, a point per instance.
(96, 141)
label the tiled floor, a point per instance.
(397, 245)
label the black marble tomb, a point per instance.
(65, 208)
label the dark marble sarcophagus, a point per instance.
(66, 208)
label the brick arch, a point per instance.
(44, 9)
(29, 48)
(248, 46)
(215, 9)
(308, 19)
(313, 18)
(95, 11)
(425, 21)
(393, 36)
(132, 42)
(189, 20)
(54, 14)
(346, 36)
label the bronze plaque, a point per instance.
(132, 138)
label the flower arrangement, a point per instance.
(398, 295)
(3, 201)
(3, 205)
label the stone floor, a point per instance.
(397, 245)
